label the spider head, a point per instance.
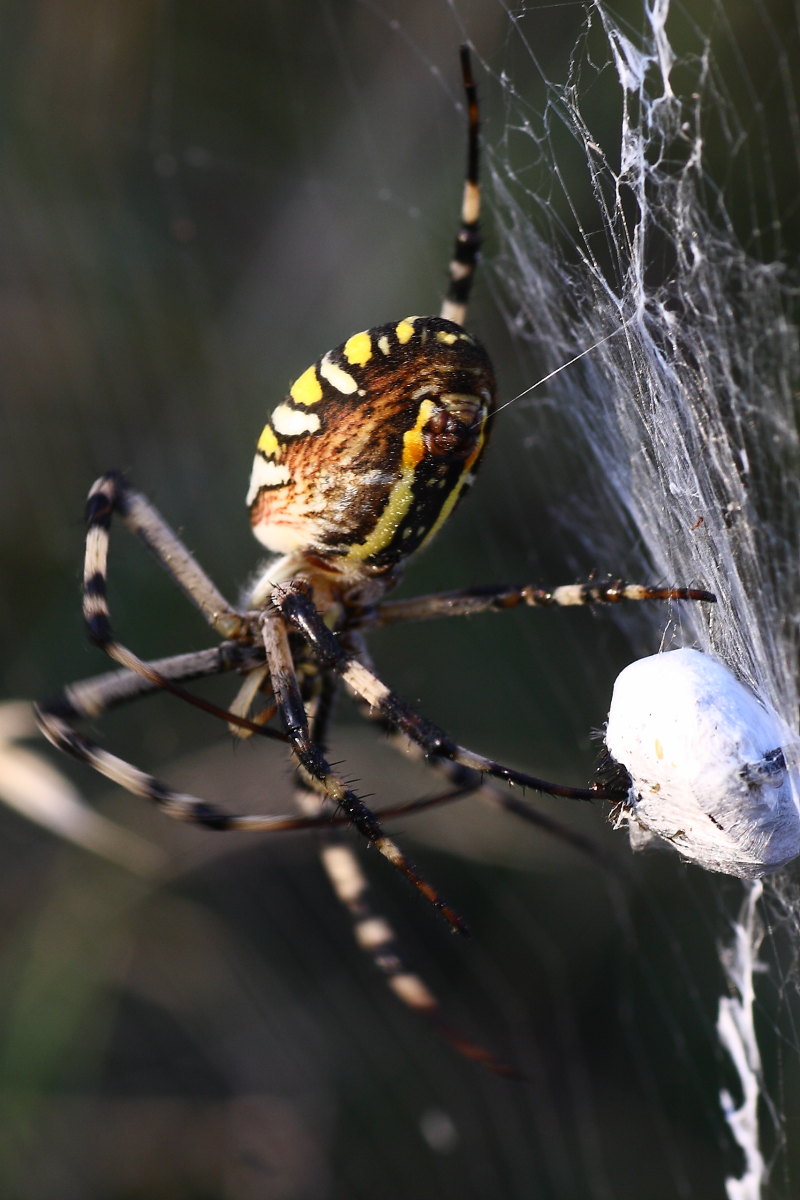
(372, 448)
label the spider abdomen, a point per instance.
(373, 446)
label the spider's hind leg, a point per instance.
(309, 755)
(373, 933)
(90, 698)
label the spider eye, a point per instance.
(373, 446)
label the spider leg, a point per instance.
(112, 493)
(373, 933)
(294, 602)
(468, 239)
(376, 938)
(109, 494)
(466, 782)
(90, 698)
(468, 601)
(313, 762)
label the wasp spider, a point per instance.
(357, 468)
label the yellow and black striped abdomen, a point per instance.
(373, 446)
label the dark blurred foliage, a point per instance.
(199, 199)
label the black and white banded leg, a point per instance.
(468, 239)
(502, 597)
(293, 601)
(112, 494)
(316, 767)
(91, 698)
(372, 932)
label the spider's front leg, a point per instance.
(294, 602)
(311, 757)
(501, 597)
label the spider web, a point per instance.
(202, 202)
(669, 270)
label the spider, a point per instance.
(355, 470)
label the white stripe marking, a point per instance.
(336, 377)
(266, 474)
(290, 422)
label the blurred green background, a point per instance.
(199, 199)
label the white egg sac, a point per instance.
(714, 770)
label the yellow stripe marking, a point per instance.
(401, 495)
(404, 330)
(307, 389)
(358, 349)
(413, 441)
(446, 338)
(268, 444)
